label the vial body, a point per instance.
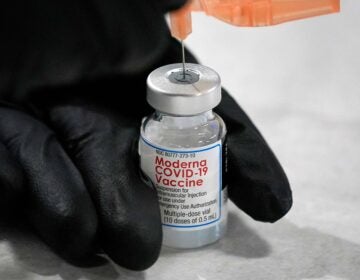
(184, 158)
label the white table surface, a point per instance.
(300, 83)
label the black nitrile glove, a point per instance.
(69, 72)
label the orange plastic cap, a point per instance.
(180, 21)
(250, 13)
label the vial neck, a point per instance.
(185, 121)
(209, 114)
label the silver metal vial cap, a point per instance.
(171, 91)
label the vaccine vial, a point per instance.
(183, 154)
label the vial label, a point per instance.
(188, 182)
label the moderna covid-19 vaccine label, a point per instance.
(188, 183)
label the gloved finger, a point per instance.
(257, 182)
(56, 203)
(76, 41)
(11, 183)
(169, 5)
(128, 211)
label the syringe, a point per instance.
(249, 13)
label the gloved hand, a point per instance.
(68, 128)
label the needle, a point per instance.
(183, 57)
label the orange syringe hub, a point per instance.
(249, 13)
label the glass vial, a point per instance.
(182, 153)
